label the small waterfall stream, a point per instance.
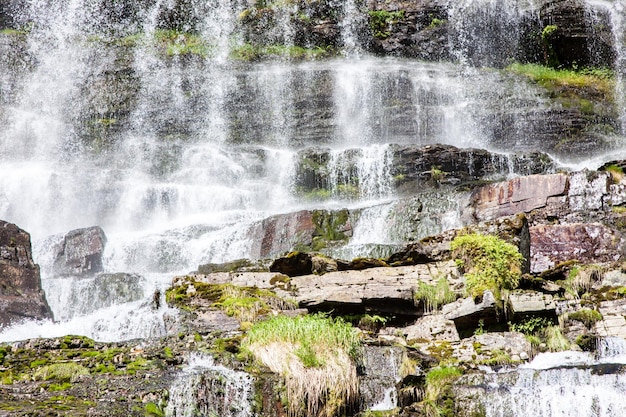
(207, 389)
(559, 384)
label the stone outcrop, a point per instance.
(80, 252)
(21, 296)
(303, 230)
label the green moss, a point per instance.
(586, 316)
(435, 22)
(442, 351)
(60, 387)
(381, 22)
(438, 380)
(64, 372)
(588, 343)
(498, 357)
(489, 263)
(243, 303)
(154, 410)
(249, 52)
(557, 79)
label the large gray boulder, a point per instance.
(80, 252)
(21, 296)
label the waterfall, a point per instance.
(207, 389)
(617, 15)
(559, 384)
(140, 117)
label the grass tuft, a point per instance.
(316, 355)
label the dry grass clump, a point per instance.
(316, 355)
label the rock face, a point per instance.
(21, 296)
(80, 252)
(305, 229)
(585, 242)
(522, 194)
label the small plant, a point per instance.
(154, 410)
(616, 172)
(555, 341)
(434, 296)
(531, 325)
(438, 380)
(382, 20)
(489, 263)
(480, 330)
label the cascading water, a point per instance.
(617, 14)
(140, 121)
(207, 389)
(559, 384)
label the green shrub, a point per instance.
(531, 326)
(489, 263)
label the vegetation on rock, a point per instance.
(489, 263)
(434, 296)
(315, 354)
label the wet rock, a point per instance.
(85, 295)
(380, 374)
(311, 230)
(588, 243)
(575, 39)
(80, 252)
(239, 265)
(21, 295)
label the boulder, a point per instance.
(613, 323)
(468, 313)
(431, 327)
(381, 290)
(512, 229)
(588, 243)
(80, 252)
(303, 230)
(21, 295)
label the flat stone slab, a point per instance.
(521, 194)
(526, 302)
